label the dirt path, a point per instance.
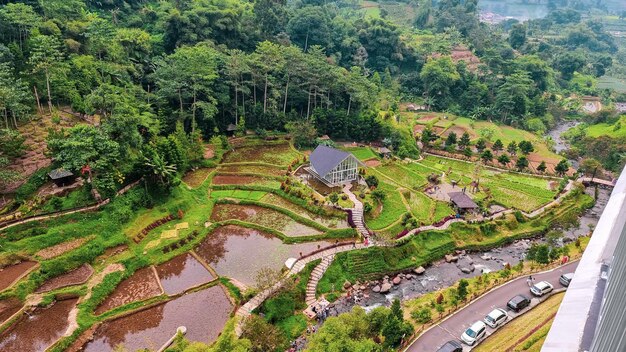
(96, 279)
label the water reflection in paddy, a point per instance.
(239, 252)
(203, 313)
(182, 272)
(37, 331)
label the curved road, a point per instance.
(452, 327)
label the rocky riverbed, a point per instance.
(454, 267)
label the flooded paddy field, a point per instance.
(181, 273)
(8, 307)
(143, 284)
(262, 216)
(36, 331)
(203, 313)
(74, 277)
(9, 274)
(238, 252)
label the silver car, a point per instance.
(496, 318)
(541, 288)
(565, 279)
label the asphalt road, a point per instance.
(453, 327)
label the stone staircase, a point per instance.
(316, 276)
(357, 217)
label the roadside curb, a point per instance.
(484, 294)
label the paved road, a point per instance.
(451, 328)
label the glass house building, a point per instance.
(333, 167)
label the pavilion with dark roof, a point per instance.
(333, 167)
(462, 202)
(61, 177)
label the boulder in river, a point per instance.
(385, 287)
(465, 270)
(397, 280)
(451, 258)
(419, 270)
(376, 288)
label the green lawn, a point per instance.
(616, 130)
(393, 209)
(361, 153)
(402, 176)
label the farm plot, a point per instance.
(425, 209)
(252, 169)
(245, 180)
(361, 153)
(330, 222)
(280, 154)
(402, 176)
(262, 216)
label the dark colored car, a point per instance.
(518, 303)
(451, 346)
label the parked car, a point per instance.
(451, 346)
(518, 303)
(565, 279)
(541, 288)
(474, 333)
(496, 318)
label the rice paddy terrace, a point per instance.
(138, 268)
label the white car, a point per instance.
(496, 318)
(541, 288)
(474, 333)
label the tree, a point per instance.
(497, 145)
(512, 97)
(11, 143)
(15, 98)
(439, 76)
(427, 136)
(159, 170)
(371, 180)
(512, 148)
(542, 167)
(87, 146)
(522, 163)
(526, 147)
(334, 198)
(46, 57)
(590, 166)
(542, 255)
(486, 156)
(264, 336)
(302, 132)
(6, 175)
(378, 195)
(504, 159)
(465, 140)
(346, 332)
(481, 144)
(517, 36)
(187, 76)
(562, 167)
(462, 290)
(451, 140)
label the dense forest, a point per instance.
(156, 78)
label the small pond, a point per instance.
(203, 313)
(181, 273)
(239, 252)
(37, 331)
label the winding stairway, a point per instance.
(316, 276)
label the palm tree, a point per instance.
(160, 170)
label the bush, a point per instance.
(422, 315)
(279, 308)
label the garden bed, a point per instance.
(272, 153)
(182, 273)
(74, 277)
(10, 274)
(196, 177)
(62, 248)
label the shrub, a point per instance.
(279, 308)
(422, 315)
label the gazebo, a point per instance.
(384, 152)
(61, 177)
(462, 202)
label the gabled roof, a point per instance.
(462, 200)
(59, 173)
(324, 159)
